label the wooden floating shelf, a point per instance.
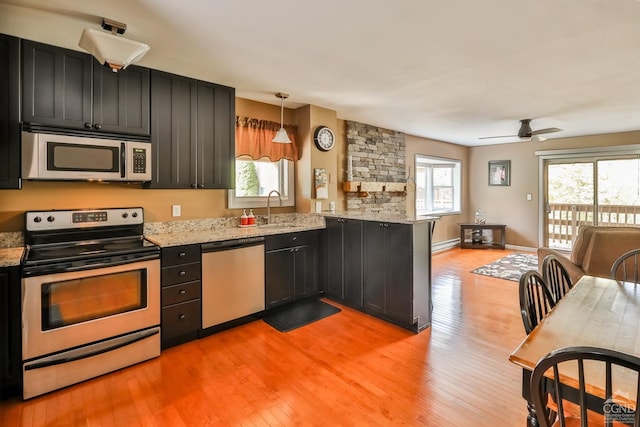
(366, 187)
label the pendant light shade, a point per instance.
(281, 136)
(117, 52)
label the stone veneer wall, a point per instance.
(378, 155)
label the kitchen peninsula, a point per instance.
(376, 263)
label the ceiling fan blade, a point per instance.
(501, 136)
(546, 130)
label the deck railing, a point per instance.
(564, 220)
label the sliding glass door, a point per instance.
(603, 190)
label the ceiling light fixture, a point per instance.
(117, 52)
(282, 137)
(538, 138)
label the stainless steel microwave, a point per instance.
(64, 157)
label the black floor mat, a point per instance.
(299, 314)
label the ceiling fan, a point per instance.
(526, 132)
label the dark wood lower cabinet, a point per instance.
(344, 261)
(381, 268)
(181, 294)
(291, 267)
(10, 333)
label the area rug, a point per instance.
(511, 267)
(299, 314)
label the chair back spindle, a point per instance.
(535, 299)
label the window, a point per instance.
(255, 179)
(438, 185)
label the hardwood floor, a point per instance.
(349, 369)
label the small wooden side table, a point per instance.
(472, 236)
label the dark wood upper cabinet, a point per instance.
(9, 112)
(66, 89)
(121, 100)
(216, 135)
(192, 132)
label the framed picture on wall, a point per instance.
(500, 172)
(320, 179)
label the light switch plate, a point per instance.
(176, 210)
(529, 196)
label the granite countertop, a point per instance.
(384, 217)
(10, 257)
(179, 233)
(217, 235)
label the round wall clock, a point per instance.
(324, 138)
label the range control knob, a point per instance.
(51, 218)
(135, 214)
(37, 219)
(124, 215)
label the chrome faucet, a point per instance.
(269, 204)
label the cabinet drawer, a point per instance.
(180, 293)
(180, 274)
(180, 255)
(180, 319)
(288, 240)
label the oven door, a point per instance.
(63, 311)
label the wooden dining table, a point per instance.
(596, 312)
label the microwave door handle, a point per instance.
(123, 160)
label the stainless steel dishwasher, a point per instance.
(232, 280)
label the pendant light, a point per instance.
(282, 137)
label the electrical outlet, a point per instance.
(176, 210)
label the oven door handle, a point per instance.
(113, 263)
(73, 355)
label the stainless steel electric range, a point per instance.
(90, 296)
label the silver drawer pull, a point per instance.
(182, 292)
(182, 317)
(182, 273)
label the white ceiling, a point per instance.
(450, 70)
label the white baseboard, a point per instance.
(444, 245)
(452, 243)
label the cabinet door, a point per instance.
(334, 286)
(173, 130)
(305, 271)
(9, 112)
(352, 264)
(10, 332)
(56, 86)
(398, 273)
(121, 100)
(216, 136)
(374, 267)
(279, 277)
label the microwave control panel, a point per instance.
(139, 160)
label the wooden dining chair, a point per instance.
(626, 267)
(556, 277)
(535, 299)
(544, 380)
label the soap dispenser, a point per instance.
(244, 219)
(251, 217)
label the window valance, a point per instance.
(254, 139)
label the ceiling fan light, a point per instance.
(118, 52)
(282, 137)
(538, 138)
